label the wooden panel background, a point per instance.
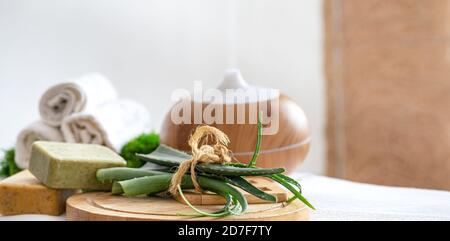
(388, 89)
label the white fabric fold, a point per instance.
(84, 93)
(112, 124)
(37, 131)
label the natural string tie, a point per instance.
(209, 145)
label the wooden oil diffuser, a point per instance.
(285, 147)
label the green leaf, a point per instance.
(291, 181)
(169, 157)
(124, 173)
(292, 189)
(165, 156)
(252, 163)
(248, 187)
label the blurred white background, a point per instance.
(149, 48)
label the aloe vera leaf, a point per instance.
(165, 156)
(292, 189)
(229, 202)
(248, 187)
(116, 189)
(145, 185)
(156, 184)
(124, 173)
(237, 171)
(170, 157)
(291, 181)
(252, 162)
(236, 164)
(218, 186)
(237, 209)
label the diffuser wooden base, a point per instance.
(100, 206)
(286, 148)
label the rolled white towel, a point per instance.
(37, 131)
(62, 100)
(111, 124)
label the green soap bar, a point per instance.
(72, 166)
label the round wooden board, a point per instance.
(100, 206)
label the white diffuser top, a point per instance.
(235, 90)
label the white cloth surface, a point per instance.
(82, 94)
(112, 123)
(33, 217)
(37, 131)
(339, 200)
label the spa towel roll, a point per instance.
(37, 131)
(111, 124)
(62, 100)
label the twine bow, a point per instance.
(209, 145)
